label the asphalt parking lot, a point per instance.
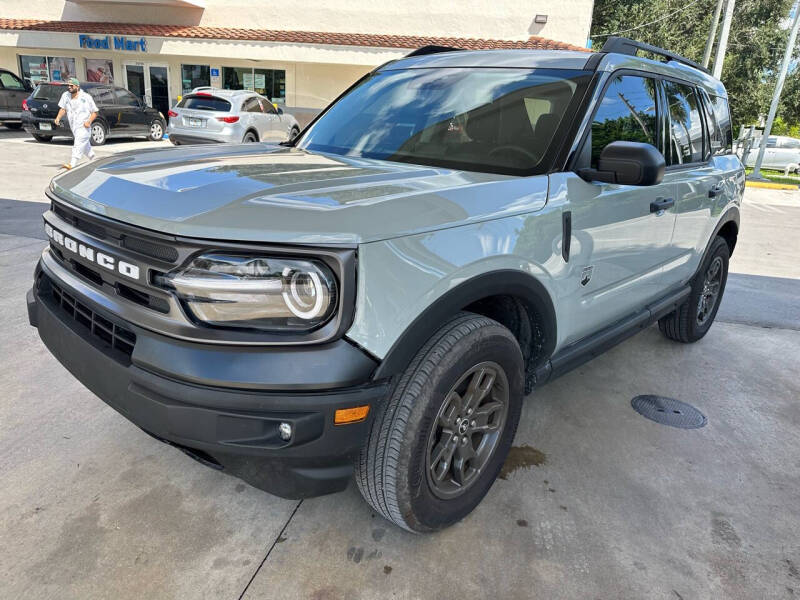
(596, 501)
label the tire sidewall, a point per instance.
(150, 133)
(718, 248)
(421, 509)
(91, 134)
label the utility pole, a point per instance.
(776, 97)
(723, 38)
(712, 34)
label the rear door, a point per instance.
(699, 180)
(12, 93)
(131, 116)
(619, 242)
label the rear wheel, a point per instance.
(249, 137)
(13, 125)
(438, 443)
(98, 134)
(42, 138)
(156, 131)
(692, 319)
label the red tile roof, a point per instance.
(269, 35)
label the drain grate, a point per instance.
(668, 411)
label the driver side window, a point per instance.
(628, 112)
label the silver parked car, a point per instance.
(782, 153)
(208, 115)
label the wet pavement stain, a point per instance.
(387, 569)
(355, 554)
(377, 534)
(522, 522)
(522, 457)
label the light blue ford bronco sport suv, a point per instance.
(376, 297)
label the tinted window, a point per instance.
(125, 98)
(686, 125)
(251, 105)
(627, 113)
(772, 142)
(48, 91)
(791, 143)
(473, 119)
(101, 95)
(722, 114)
(10, 82)
(266, 106)
(204, 102)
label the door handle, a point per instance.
(661, 204)
(716, 190)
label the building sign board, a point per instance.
(117, 42)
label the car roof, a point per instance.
(557, 59)
(222, 93)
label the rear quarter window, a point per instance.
(205, 103)
(722, 116)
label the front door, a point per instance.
(620, 241)
(150, 83)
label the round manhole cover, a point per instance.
(669, 411)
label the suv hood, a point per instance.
(259, 192)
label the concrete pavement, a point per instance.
(610, 505)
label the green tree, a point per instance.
(755, 46)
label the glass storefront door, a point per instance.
(150, 83)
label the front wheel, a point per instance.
(97, 134)
(692, 319)
(437, 445)
(156, 133)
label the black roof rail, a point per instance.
(621, 45)
(432, 50)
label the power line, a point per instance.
(666, 16)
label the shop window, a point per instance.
(100, 70)
(193, 76)
(267, 82)
(46, 68)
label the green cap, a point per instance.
(74, 81)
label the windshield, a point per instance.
(478, 119)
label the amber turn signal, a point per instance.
(356, 414)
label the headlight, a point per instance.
(261, 292)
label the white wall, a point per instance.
(568, 20)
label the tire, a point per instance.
(294, 133)
(394, 471)
(13, 125)
(156, 133)
(42, 138)
(249, 137)
(98, 134)
(690, 322)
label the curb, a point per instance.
(770, 185)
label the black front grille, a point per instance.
(159, 251)
(113, 337)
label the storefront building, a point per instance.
(158, 62)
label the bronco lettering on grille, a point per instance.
(91, 254)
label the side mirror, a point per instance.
(627, 163)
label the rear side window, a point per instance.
(251, 105)
(101, 95)
(628, 113)
(205, 102)
(10, 82)
(125, 98)
(722, 114)
(790, 143)
(48, 91)
(686, 124)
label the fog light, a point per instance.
(285, 431)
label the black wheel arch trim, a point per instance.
(508, 282)
(731, 215)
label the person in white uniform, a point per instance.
(81, 111)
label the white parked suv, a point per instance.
(782, 153)
(209, 115)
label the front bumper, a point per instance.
(228, 425)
